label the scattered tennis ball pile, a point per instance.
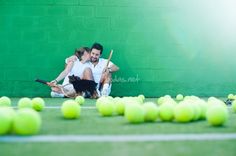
(27, 121)
(23, 121)
(180, 110)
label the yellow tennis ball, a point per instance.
(99, 101)
(80, 100)
(179, 97)
(134, 113)
(5, 101)
(38, 104)
(234, 105)
(25, 103)
(166, 112)
(183, 112)
(70, 109)
(106, 107)
(231, 96)
(151, 111)
(217, 115)
(6, 119)
(203, 106)
(141, 97)
(120, 106)
(27, 122)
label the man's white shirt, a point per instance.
(98, 68)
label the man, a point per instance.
(101, 74)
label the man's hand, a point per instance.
(106, 71)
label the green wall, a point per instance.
(161, 46)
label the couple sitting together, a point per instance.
(85, 74)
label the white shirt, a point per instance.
(77, 70)
(98, 68)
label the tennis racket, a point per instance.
(106, 68)
(64, 89)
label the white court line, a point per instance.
(58, 107)
(120, 138)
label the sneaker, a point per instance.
(228, 102)
(57, 95)
(87, 94)
(98, 92)
(105, 90)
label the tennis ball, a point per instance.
(197, 110)
(165, 99)
(80, 100)
(5, 101)
(231, 96)
(160, 100)
(134, 113)
(183, 112)
(38, 104)
(216, 101)
(138, 99)
(6, 119)
(25, 103)
(212, 98)
(99, 101)
(234, 105)
(151, 111)
(166, 112)
(27, 122)
(142, 97)
(116, 99)
(203, 107)
(217, 115)
(120, 107)
(106, 107)
(167, 96)
(70, 109)
(179, 97)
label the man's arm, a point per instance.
(113, 68)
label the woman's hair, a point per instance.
(79, 52)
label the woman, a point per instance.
(77, 66)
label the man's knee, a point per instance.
(88, 70)
(87, 74)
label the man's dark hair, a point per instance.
(79, 52)
(98, 47)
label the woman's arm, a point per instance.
(65, 72)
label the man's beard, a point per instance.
(93, 60)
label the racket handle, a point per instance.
(41, 81)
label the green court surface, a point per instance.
(92, 125)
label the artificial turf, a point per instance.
(90, 122)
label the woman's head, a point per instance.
(83, 53)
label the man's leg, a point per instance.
(106, 85)
(88, 75)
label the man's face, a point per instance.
(95, 54)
